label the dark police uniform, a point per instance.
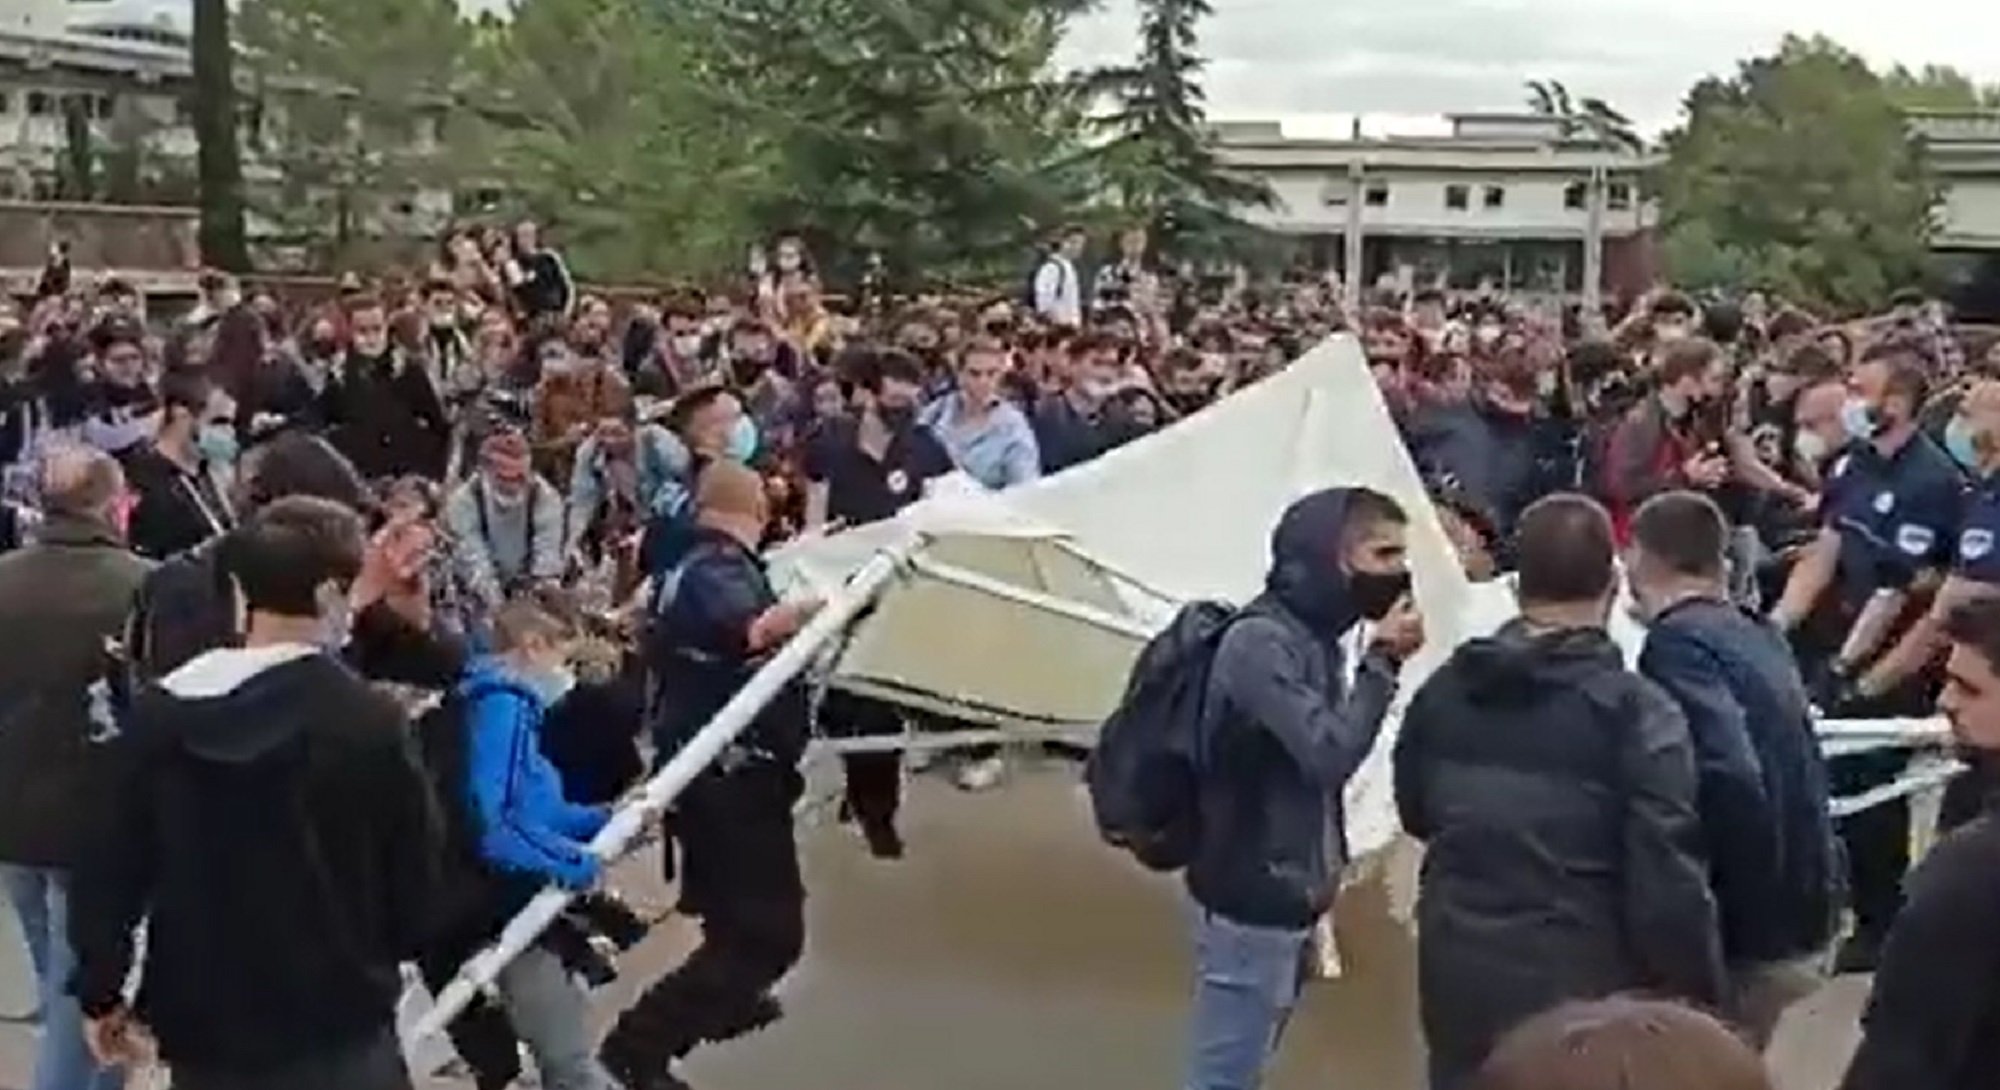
(734, 821)
(1897, 516)
(861, 490)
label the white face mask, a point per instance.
(371, 347)
(1810, 447)
(687, 347)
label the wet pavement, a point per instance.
(1011, 950)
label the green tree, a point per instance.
(219, 160)
(930, 131)
(353, 119)
(1159, 158)
(597, 117)
(1938, 87)
(1800, 169)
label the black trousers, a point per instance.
(874, 780)
(373, 1064)
(481, 1034)
(740, 874)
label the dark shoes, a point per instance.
(1861, 953)
(636, 1071)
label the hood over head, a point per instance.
(237, 704)
(1307, 575)
(1520, 664)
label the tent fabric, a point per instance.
(1185, 513)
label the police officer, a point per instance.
(1972, 438)
(716, 619)
(1889, 509)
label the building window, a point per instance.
(1376, 195)
(1618, 196)
(1496, 196)
(1457, 197)
(41, 104)
(103, 106)
(1576, 196)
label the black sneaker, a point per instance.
(636, 1069)
(1861, 953)
(884, 842)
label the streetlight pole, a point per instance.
(1593, 249)
(1357, 191)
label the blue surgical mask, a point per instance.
(742, 440)
(1857, 418)
(1958, 442)
(217, 443)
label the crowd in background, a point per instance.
(521, 436)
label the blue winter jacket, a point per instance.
(525, 825)
(1775, 862)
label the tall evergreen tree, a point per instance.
(1159, 158)
(220, 161)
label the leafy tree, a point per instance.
(1938, 87)
(220, 165)
(598, 117)
(1800, 169)
(1591, 117)
(353, 116)
(1159, 159)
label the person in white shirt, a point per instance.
(1058, 287)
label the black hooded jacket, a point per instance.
(273, 829)
(1281, 733)
(1555, 793)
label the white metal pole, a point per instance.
(736, 716)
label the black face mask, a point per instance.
(748, 371)
(1374, 594)
(897, 417)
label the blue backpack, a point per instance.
(1144, 774)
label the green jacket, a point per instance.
(63, 605)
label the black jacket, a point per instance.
(1281, 736)
(62, 599)
(1501, 461)
(177, 510)
(1555, 792)
(387, 418)
(1776, 861)
(276, 834)
(1933, 1019)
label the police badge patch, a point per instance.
(1975, 544)
(1885, 502)
(1915, 540)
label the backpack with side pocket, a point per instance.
(1144, 774)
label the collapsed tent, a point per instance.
(1027, 607)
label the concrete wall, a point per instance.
(1414, 202)
(1970, 215)
(99, 236)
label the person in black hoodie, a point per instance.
(1555, 793)
(1281, 734)
(277, 906)
(1933, 1017)
(385, 412)
(176, 475)
(1776, 865)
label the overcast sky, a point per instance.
(1294, 58)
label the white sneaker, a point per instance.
(982, 774)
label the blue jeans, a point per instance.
(41, 898)
(1246, 981)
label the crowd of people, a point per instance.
(473, 544)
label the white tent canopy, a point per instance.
(1028, 606)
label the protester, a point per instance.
(1774, 862)
(276, 910)
(63, 597)
(1058, 287)
(508, 523)
(1664, 443)
(384, 413)
(576, 391)
(1283, 730)
(1071, 424)
(734, 821)
(1933, 1017)
(1556, 796)
(536, 276)
(181, 477)
(1622, 1044)
(989, 438)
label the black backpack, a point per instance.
(1144, 774)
